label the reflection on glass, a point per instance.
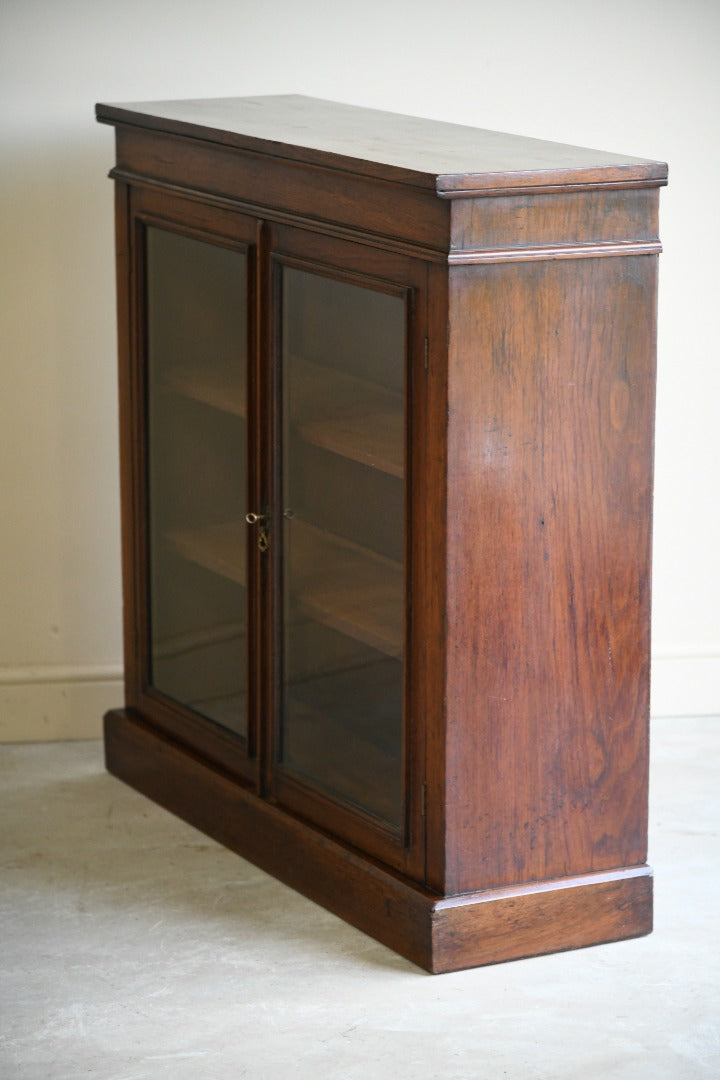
(196, 359)
(343, 499)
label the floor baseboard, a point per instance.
(52, 703)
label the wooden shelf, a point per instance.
(222, 389)
(346, 727)
(332, 580)
(230, 710)
(220, 548)
(348, 416)
(347, 587)
(375, 440)
(351, 417)
(189, 641)
(319, 392)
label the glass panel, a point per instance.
(197, 357)
(343, 502)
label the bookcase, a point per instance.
(386, 412)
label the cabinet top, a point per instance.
(451, 158)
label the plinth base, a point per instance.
(438, 933)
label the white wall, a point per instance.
(635, 76)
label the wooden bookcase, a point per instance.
(386, 392)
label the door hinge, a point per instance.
(426, 354)
(423, 798)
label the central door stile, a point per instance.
(273, 561)
(257, 521)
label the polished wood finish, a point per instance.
(550, 387)
(438, 934)
(529, 271)
(403, 149)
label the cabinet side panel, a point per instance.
(551, 395)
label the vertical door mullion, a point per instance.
(254, 413)
(265, 562)
(273, 493)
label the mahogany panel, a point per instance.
(550, 440)
(510, 924)
(274, 187)
(568, 217)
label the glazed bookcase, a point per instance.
(386, 414)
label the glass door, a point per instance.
(272, 400)
(343, 438)
(197, 360)
(344, 340)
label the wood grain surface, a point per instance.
(550, 440)
(524, 438)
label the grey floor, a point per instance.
(132, 947)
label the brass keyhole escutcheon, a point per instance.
(263, 540)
